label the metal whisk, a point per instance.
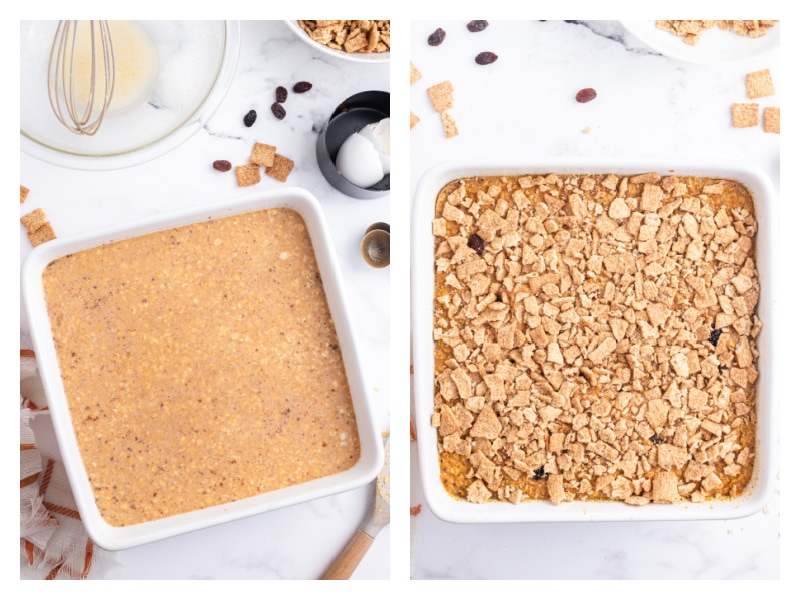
(81, 105)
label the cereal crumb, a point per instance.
(449, 124)
(415, 510)
(23, 193)
(415, 74)
(248, 175)
(281, 167)
(759, 84)
(414, 120)
(441, 96)
(413, 432)
(744, 114)
(772, 119)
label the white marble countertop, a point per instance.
(301, 541)
(523, 108)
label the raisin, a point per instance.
(486, 58)
(222, 165)
(657, 439)
(586, 95)
(301, 87)
(476, 243)
(437, 37)
(281, 94)
(714, 337)
(539, 473)
(278, 110)
(250, 118)
(476, 26)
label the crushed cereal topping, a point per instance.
(601, 345)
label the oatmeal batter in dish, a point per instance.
(201, 365)
(595, 338)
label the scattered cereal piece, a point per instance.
(772, 119)
(39, 230)
(415, 74)
(281, 168)
(248, 175)
(744, 115)
(449, 124)
(414, 120)
(23, 193)
(43, 234)
(33, 220)
(759, 84)
(441, 96)
(262, 154)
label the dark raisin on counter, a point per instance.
(714, 337)
(250, 118)
(278, 110)
(586, 95)
(476, 26)
(222, 165)
(476, 243)
(281, 94)
(437, 37)
(539, 473)
(301, 87)
(486, 58)
(657, 439)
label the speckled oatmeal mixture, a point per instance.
(201, 365)
(595, 338)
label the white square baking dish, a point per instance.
(114, 538)
(451, 509)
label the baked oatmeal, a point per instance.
(201, 365)
(595, 338)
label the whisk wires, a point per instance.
(80, 85)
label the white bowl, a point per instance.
(364, 57)
(196, 64)
(447, 507)
(715, 46)
(115, 538)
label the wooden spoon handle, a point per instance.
(350, 557)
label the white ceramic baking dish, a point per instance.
(114, 538)
(450, 509)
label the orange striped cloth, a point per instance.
(52, 539)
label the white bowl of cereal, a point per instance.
(200, 367)
(359, 41)
(567, 368)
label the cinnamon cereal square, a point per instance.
(744, 115)
(281, 168)
(23, 193)
(441, 96)
(772, 119)
(248, 175)
(33, 220)
(262, 154)
(759, 84)
(42, 234)
(414, 120)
